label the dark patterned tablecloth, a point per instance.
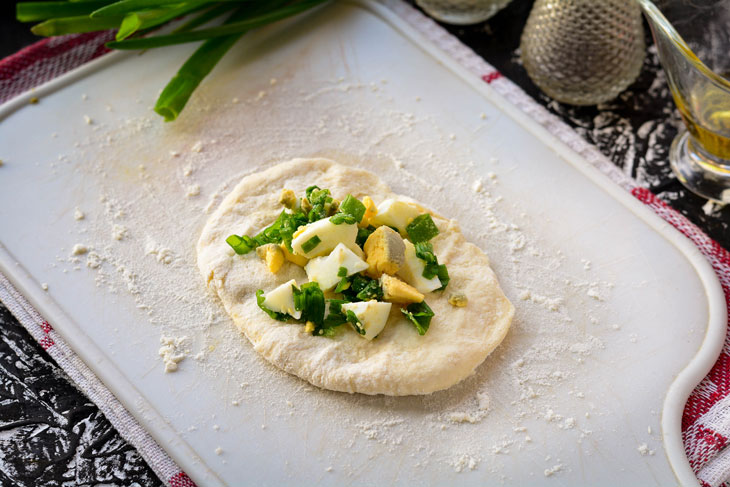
(52, 435)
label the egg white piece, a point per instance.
(325, 270)
(372, 314)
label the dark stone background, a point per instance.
(53, 435)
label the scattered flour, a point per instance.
(172, 351)
(79, 249)
(644, 450)
(162, 254)
(549, 472)
(93, 260)
(526, 378)
(119, 231)
(78, 214)
(464, 461)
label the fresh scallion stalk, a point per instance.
(230, 28)
(35, 11)
(74, 25)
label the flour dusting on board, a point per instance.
(139, 242)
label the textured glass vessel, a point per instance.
(462, 12)
(583, 52)
(693, 40)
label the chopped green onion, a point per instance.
(319, 199)
(352, 206)
(363, 234)
(242, 245)
(344, 282)
(340, 218)
(310, 244)
(309, 299)
(363, 288)
(443, 275)
(424, 251)
(420, 315)
(260, 298)
(355, 322)
(422, 229)
(280, 231)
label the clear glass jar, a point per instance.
(462, 12)
(583, 52)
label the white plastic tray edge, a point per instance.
(154, 421)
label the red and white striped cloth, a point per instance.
(706, 419)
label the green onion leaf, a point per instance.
(363, 234)
(340, 218)
(124, 7)
(260, 298)
(310, 244)
(309, 299)
(424, 251)
(443, 274)
(355, 322)
(35, 11)
(242, 245)
(352, 206)
(74, 25)
(422, 229)
(319, 199)
(363, 288)
(205, 17)
(344, 282)
(420, 315)
(238, 27)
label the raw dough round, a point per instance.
(399, 361)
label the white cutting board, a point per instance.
(618, 316)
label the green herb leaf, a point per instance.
(344, 281)
(355, 322)
(420, 315)
(363, 288)
(354, 207)
(242, 245)
(260, 298)
(363, 234)
(310, 244)
(35, 11)
(424, 251)
(443, 274)
(309, 299)
(334, 319)
(340, 218)
(74, 25)
(422, 229)
(280, 231)
(320, 200)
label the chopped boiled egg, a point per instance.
(396, 213)
(397, 291)
(385, 251)
(412, 271)
(373, 316)
(297, 259)
(326, 270)
(281, 300)
(371, 210)
(321, 237)
(272, 255)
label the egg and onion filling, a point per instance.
(360, 259)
